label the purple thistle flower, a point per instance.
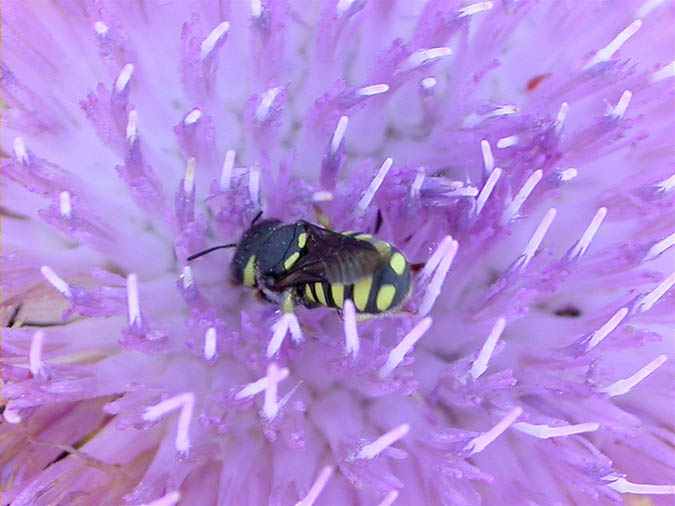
(523, 151)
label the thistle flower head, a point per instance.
(521, 152)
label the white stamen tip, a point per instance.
(504, 110)
(124, 77)
(55, 281)
(373, 89)
(479, 365)
(65, 207)
(568, 174)
(397, 354)
(343, 6)
(212, 39)
(624, 386)
(375, 184)
(260, 385)
(428, 83)
(256, 8)
(486, 191)
(660, 247)
(476, 8)
(185, 402)
(512, 209)
(132, 126)
(372, 450)
(561, 117)
(582, 244)
(193, 116)
(607, 328)
(648, 301)
(667, 184)
(280, 329)
(210, 343)
(133, 306)
(507, 142)
(608, 51)
(389, 498)
(620, 108)
(20, 151)
(228, 167)
(474, 118)
(536, 239)
(436, 257)
(101, 28)
(11, 416)
(186, 277)
(488, 159)
(424, 56)
(624, 486)
(648, 7)
(434, 289)
(339, 134)
(189, 178)
(317, 487)
(548, 431)
(35, 355)
(460, 189)
(352, 342)
(266, 100)
(479, 443)
(664, 72)
(254, 185)
(416, 187)
(270, 404)
(322, 196)
(170, 499)
(294, 327)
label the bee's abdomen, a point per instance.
(383, 290)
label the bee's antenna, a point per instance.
(206, 251)
(257, 217)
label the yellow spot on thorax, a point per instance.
(302, 240)
(397, 262)
(288, 263)
(337, 290)
(318, 288)
(362, 292)
(385, 295)
(249, 272)
(363, 237)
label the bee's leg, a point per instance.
(287, 302)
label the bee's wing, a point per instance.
(333, 258)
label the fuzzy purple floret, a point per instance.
(523, 150)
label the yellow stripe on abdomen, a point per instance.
(385, 295)
(362, 292)
(397, 263)
(321, 297)
(337, 290)
(309, 295)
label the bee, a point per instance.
(306, 264)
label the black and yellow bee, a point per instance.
(314, 266)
